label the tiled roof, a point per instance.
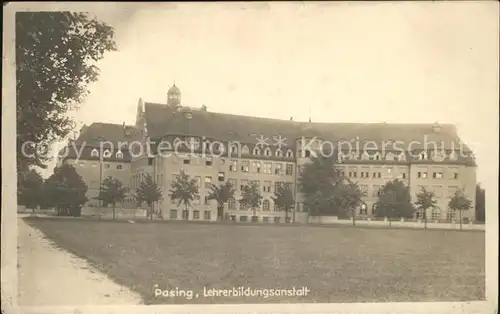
(163, 120)
(98, 132)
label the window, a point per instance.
(268, 167)
(208, 182)
(208, 162)
(94, 153)
(173, 214)
(278, 168)
(265, 205)
(422, 175)
(452, 190)
(257, 183)
(277, 184)
(150, 161)
(186, 161)
(244, 183)
(233, 166)
(234, 150)
(452, 155)
(207, 215)
(256, 151)
(265, 219)
(243, 218)
(435, 215)
(437, 175)
(379, 174)
(221, 176)
(231, 203)
(374, 174)
(403, 175)
(450, 214)
(289, 169)
(233, 182)
(206, 200)
(279, 153)
(363, 209)
(267, 186)
(289, 153)
(196, 214)
(256, 166)
(389, 170)
(244, 166)
(376, 190)
(455, 175)
(267, 152)
(106, 166)
(196, 199)
(364, 188)
(423, 156)
(245, 150)
(106, 153)
(185, 214)
(374, 209)
(419, 214)
(307, 153)
(207, 145)
(119, 155)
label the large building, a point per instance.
(216, 147)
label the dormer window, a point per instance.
(453, 155)
(279, 153)
(289, 153)
(106, 153)
(119, 155)
(423, 156)
(267, 152)
(256, 151)
(94, 153)
(245, 150)
(365, 156)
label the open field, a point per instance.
(337, 264)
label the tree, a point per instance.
(66, 191)
(480, 203)
(283, 198)
(184, 190)
(394, 201)
(317, 184)
(221, 194)
(460, 202)
(250, 197)
(148, 192)
(56, 55)
(425, 200)
(30, 191)
(348, 196)
(112, 192)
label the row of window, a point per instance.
(96, 164)
(264, 218)
(194, 143)
(256, 166)
(436, 214)
(436, 175)
(435, 155)
(106, 153)
(233, 204)
(196, 214)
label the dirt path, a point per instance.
(50, 276)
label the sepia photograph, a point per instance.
(226, 157)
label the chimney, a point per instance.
(291, 118)
(204, 108)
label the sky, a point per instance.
(405, 62)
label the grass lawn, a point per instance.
(337, 264)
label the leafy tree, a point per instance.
(221, 194)
(348, 196)
(30, 192)
(112, 192)
(250, 197)
(148, 192)
(394, 201)
(283, 198)
(317, 184)
(184, 190)
(66, 191)
(460, 202)
(425, 200)
(56, 55)
(480, 203)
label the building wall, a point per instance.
(90, 170)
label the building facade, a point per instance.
(216, 147)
